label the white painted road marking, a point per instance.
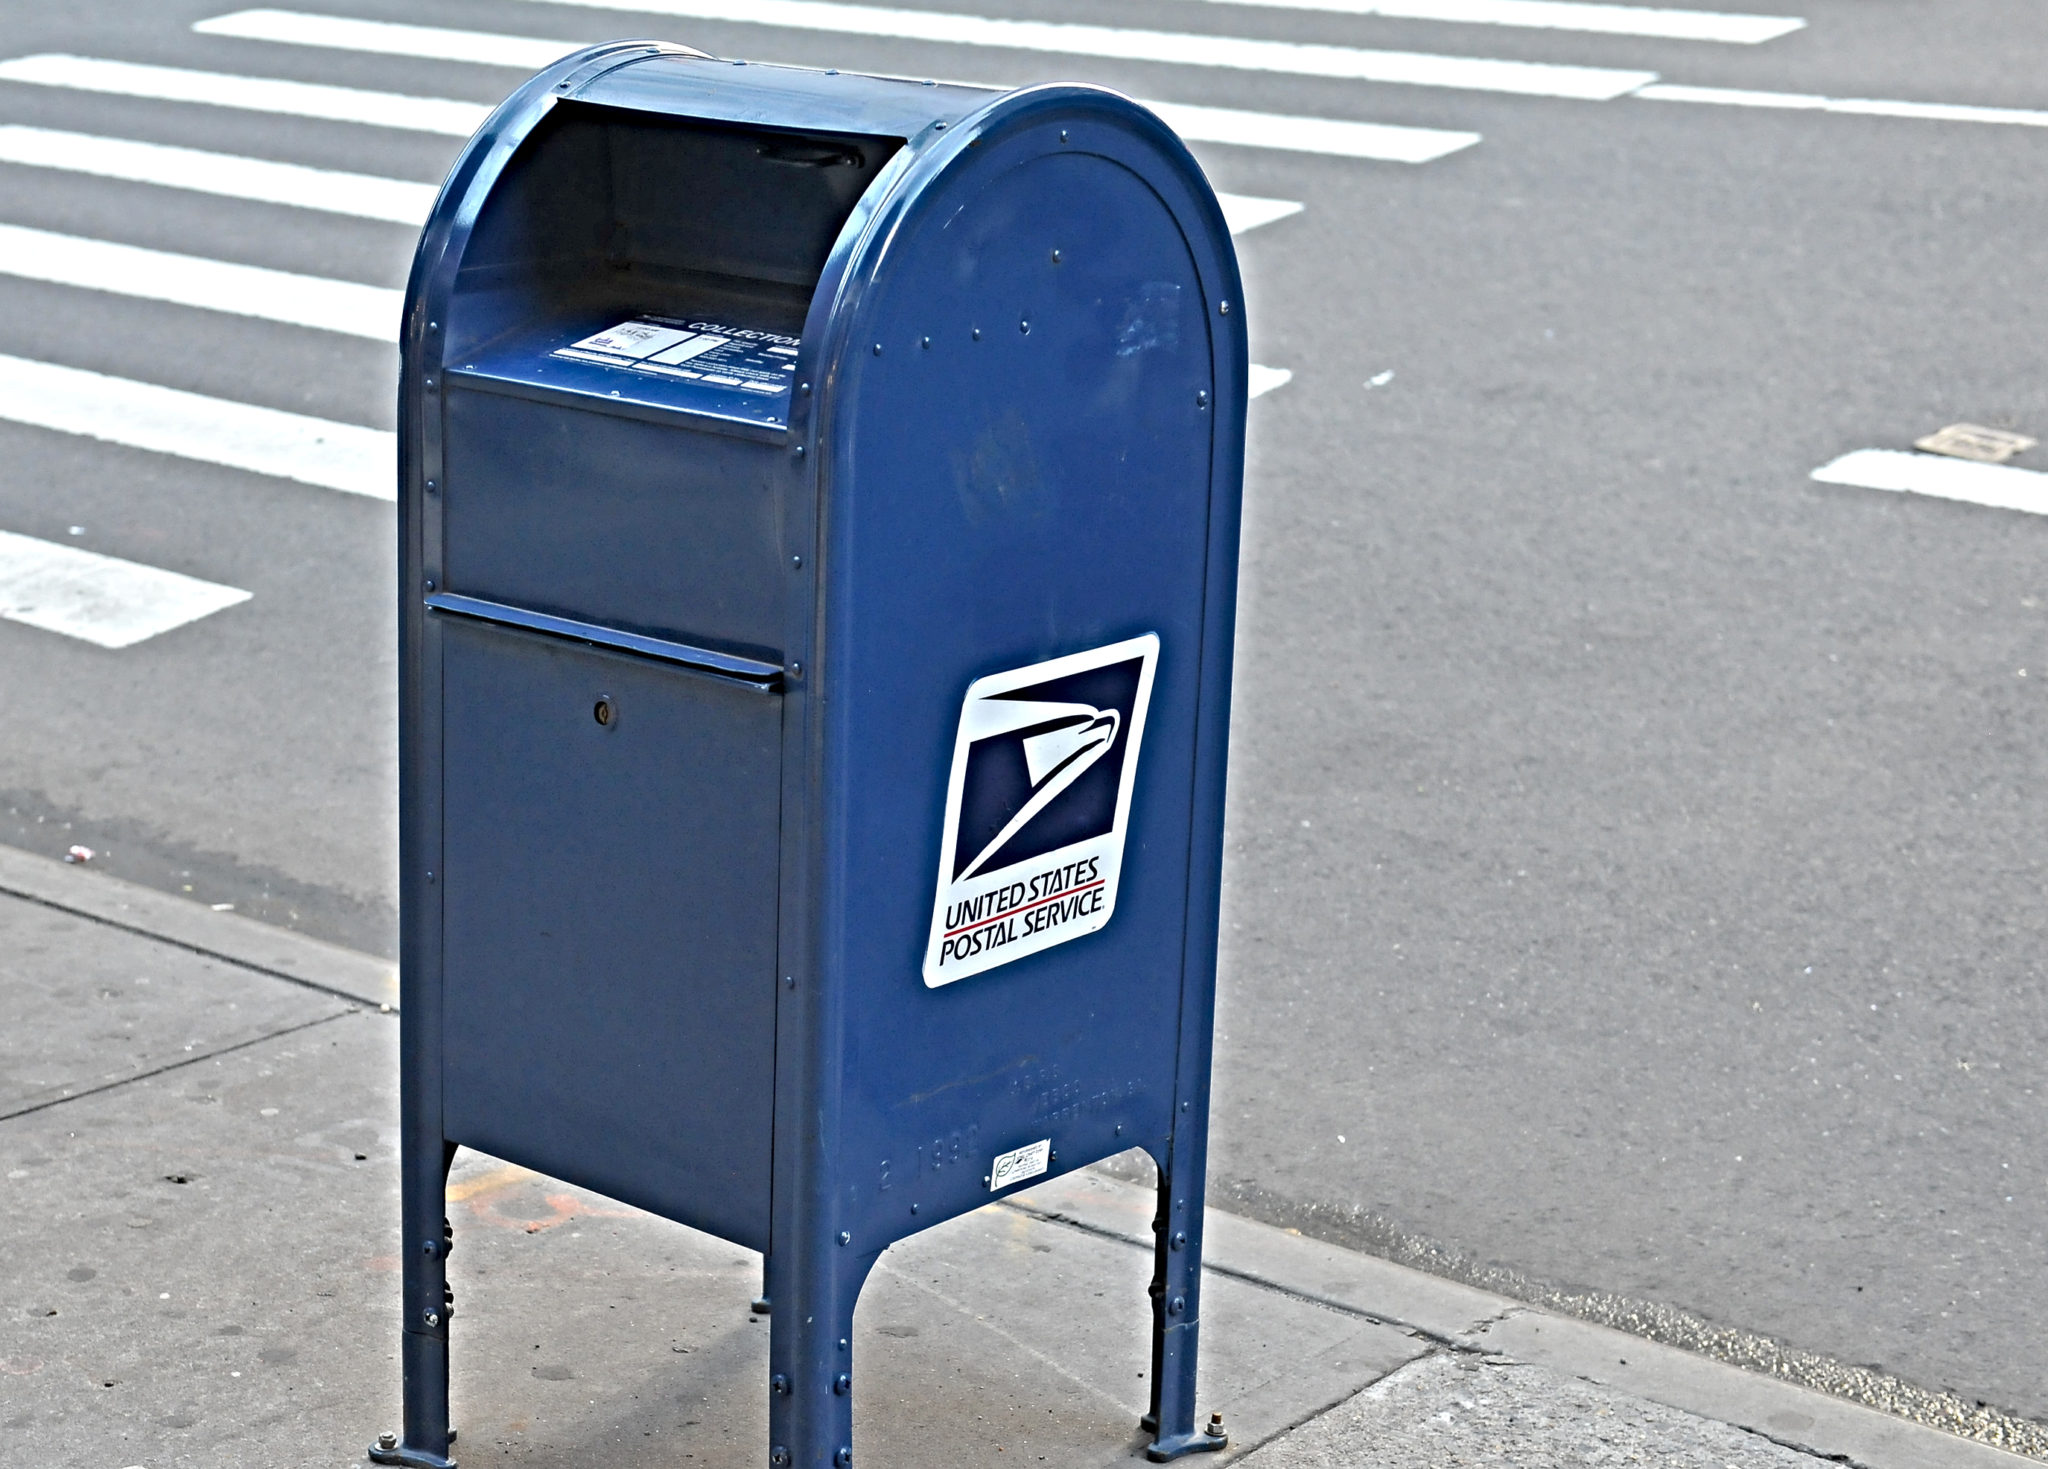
(1262, 380)
(1332, 137)
(314, 451)
(1557, 15)
(210, 285)
(362, 195)
(253, 94)
(1382, 142)
(1292, 58)
(1196, 124)
(1998, 485)
(226, 174)
(1850, 106)
(1243, 212)
(388, 38)
(101, 599)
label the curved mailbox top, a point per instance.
(969, 349)
(788, 97)
(726, 214)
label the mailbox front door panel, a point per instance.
(614, 521)
(610, 905)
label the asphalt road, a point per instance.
(1635, 864)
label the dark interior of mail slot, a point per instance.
(657, 261)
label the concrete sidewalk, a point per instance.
(198, 1266)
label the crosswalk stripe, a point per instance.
(1244, 212)
(1850, 106)
(2000, 486)
(210, 285)
(1196, 124)
(253, 94)
(116, 410)
(1335, 137)
(226, 174)
(294, 446)
(1559, 15)
(101, 599)
(387, 38)
(1623, 20)
(1262, 380)
(1292, 58)
(361, 195)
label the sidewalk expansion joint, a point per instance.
(230, 938)
(1262, 1282)
(157, 935)
(355, 1008)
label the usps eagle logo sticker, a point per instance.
(1036, 807)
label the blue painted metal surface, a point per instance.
(687, 644)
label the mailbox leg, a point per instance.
(1176, 1318)
(810, 1358)
(424, 1343)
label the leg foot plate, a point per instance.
(1200, 1442)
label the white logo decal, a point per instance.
(1040, 792)
(1019, 1164)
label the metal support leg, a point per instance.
(1157, 1292)
(810, 1359)
(1176, 1315)
(428, 1305)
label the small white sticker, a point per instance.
(1044, 761)
(1019, 1164)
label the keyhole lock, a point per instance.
(605, 711)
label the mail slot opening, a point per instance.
(656, 271)
(682, 252)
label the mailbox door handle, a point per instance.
(704, 660)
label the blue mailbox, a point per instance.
(818, 558)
